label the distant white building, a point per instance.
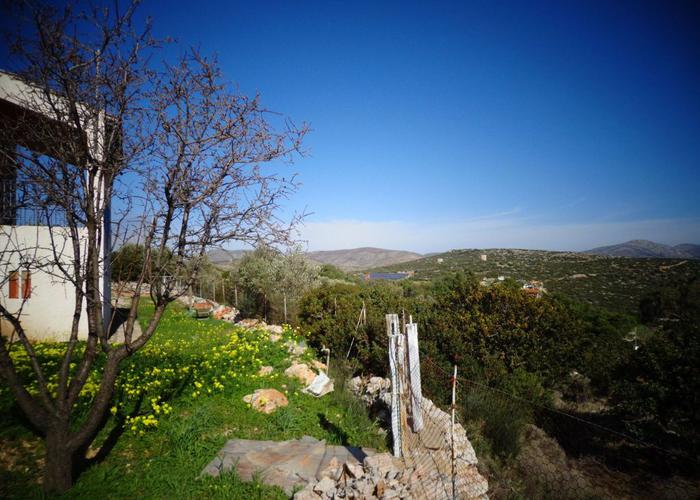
(33, 243)
(483, 257)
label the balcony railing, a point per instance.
(17, 210)
(27, 216)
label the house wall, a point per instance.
(48, 313)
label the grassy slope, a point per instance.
(165, 461)
(613, 282)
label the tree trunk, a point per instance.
(58, 472)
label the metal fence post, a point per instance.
(392, 330)
(452, 431)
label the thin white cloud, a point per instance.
(497, 231)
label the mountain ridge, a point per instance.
(648, 249)
(355, 259)
(350, 259)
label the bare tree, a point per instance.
(176, 152)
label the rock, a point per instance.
(276, 329)
(320, 386)
(376, 385)
(266, 400)
(331, 469)
(306, 494)
(354, 385)
(296, 348)
(264, 371)
(301, 372)
(379, 490)
(381, 464)
(354, 471)
(251, 323)
(319, 366)
(324, 486)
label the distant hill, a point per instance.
(356, 259)
(222, 257)
(690, 249)
(650, 249)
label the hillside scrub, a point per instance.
(486, 331)
(614, 283)
(657, 393)
(525, 348)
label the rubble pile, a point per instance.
(379, 476)
(426, 471)
(384, 477)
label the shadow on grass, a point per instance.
(340, 435)
(83, 463)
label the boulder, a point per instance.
(266, 400)
(301, 372)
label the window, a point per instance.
(26, 278)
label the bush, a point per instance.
(330, 314)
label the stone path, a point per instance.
(283, 463)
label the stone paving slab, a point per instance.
(282, 463)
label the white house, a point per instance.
(33, 243)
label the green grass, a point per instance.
(168, 423)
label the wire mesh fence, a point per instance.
(439, 459)
(528, 448)
(531, 450)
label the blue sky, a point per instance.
(438, 125)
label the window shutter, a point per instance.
(14, 285)
(26, 284)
